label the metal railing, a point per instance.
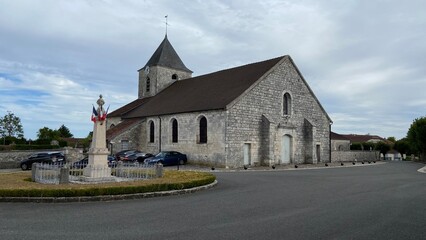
(46, 173)
(53, 173)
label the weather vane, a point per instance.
(166, 23)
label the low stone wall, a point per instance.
(12, 159)
(349, 156)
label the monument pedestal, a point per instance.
(97, 169)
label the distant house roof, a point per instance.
(130, 106)
(120, 128)
(207, 92)
(363, 138)
(166, 56)
(336, 136)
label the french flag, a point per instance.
(94, 114)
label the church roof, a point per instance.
(336, 136)
(166, 56)
(207, 92)
(120, 128)
(126, 108)
(363, 138)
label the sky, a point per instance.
(364, 60)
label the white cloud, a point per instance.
(364, 60)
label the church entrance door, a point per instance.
(286, 143)
(246, 150)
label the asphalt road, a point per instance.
(386, 201)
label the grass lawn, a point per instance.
(18, 184)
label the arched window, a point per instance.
(203, 130)
(286, 104)
(151, 132)
(148, 84)
(174, 131)
(175, 76)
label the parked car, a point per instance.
(168, 158)
(42, 157)
(85, 161)
(123, 154)
(138, 157)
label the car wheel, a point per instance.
(24, 166)
(181, 162)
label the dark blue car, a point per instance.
(167, 158)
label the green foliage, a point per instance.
(10, 125)
(367, 146)
(403, 146)
(383, 147)
(64, 132)
(391, 139)
(416, 137)
(47, 134)
(356, 146)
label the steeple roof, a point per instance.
(166, 56)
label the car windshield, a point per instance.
(161, 154)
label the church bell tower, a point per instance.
(162, 69)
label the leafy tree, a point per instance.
(64, 132)
(383, 147)
(47, 134)
(417, 137)
(369, 146)
(10, 125)
(402, 146)
(356, 146)
(391, 139)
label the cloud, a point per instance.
(364, 60)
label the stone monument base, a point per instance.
(95, 173)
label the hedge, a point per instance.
(111, 190)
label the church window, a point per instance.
(175, 76)
(203, 130)
(174, 131)
(286, 104)
(124, 144)
(148, 84)
(151, 132)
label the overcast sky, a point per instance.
(364, 60)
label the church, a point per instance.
(262, 113)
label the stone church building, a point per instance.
(261, 113)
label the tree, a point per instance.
(417, 137)
(402, 146)
(64, 132)
(383, 147)
(10, 125)
(46, 133)
(391, 139)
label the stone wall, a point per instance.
(210, 153)
(12, 159)
(257, 119)
(349, 156)
(160, 78)
(132, 136)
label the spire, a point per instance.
(166, 56)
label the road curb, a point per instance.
(107, 197)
